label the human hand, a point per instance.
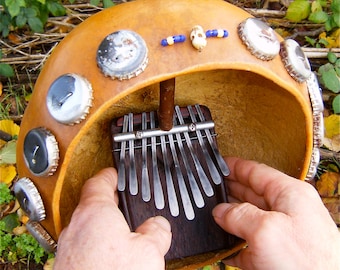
(98, 236)
(283, 220)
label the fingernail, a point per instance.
(220, 209)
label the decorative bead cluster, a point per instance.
(197, 37)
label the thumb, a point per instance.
(157, 230)
(240, 219)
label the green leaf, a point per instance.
(331, 80)
(335, 6)
(5, 193)
(56, 9)
(108, 3)
(8, 153)
(311, 41)
(94, 2)
(6, 70)
(11, 221)
(332, 57)
(336, 19)
(318, 17)
(316, 6)
(298, 10)
(336, 104)
(14, 6)
(36, 25)
(21, 20)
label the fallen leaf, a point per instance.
(333, 207)
(7, 174)
(19, 230)
(332, 125)
(9, 127)
(327, 185)
(8, 153)
(49, 264)
(333, 143)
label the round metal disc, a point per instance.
(29, 199)
(259, 38)
(41, 152)
(69, 99)
(122, 55)
(315, 94)
(295, 60)
(42, 236)
(313, 167)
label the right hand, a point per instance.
(282, 219)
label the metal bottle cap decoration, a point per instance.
(41, 152)
(295, 60)
(259, 38)
(29, 199)
(69, 99)
(122, 55)
(42, 236)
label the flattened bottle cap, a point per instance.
(259, 38)
(295, 60)
(29, 199)
(69, 99)
(122, 55)
(313, 167)
(42, 236)
(315, 94)
(41, 152)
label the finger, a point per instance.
(99, 200)
(244, 220)
(158, 230)
(246, 194)
(100, 188)
(265, 181)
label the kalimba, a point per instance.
(162, 90)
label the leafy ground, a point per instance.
(26, 53)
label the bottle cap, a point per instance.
(295, 60)
(42, 236)
(69, 99)
(29, 199)
(41, 152)
(122, 55)
(259, 38)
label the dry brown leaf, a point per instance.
(333, 207)
(327, 185)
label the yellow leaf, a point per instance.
(332, 125)
(49, 264)
(327, 185)
(9, 127)
(7, 174)
(227, 267)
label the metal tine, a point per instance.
(216, 177)
(187, 206)
(133, 183)
(221, 162)
(196, 193)
(172, 197)
(158, 191)
(201, 174)
(121, 168)
(146, 194)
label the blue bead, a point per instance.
(179, 38)
(164, 42)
